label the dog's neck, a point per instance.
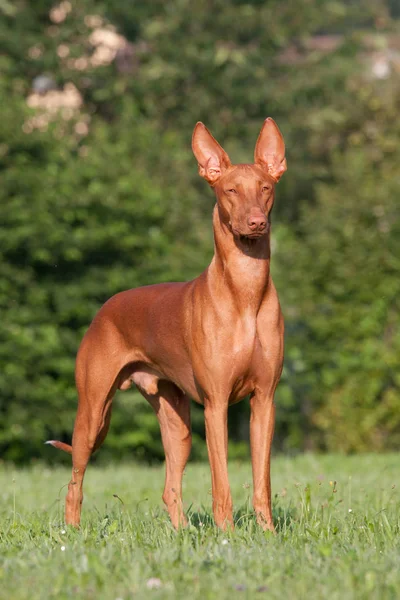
(241, 267)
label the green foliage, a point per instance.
(105, 196)
(337, 520)
(342, 288)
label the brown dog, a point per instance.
(215, 339)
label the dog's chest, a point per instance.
(230, 346)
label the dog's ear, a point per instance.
(270, 150)
(212, 158)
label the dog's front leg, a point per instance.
(262, 422)
(216, 419)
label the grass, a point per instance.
(337, 520)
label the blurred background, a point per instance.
(100, 193)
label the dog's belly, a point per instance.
(147, 378)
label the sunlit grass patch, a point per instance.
(337, 523)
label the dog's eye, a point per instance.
(232, 191)
(266, 188)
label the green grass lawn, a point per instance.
(337, 519)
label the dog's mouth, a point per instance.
(249, 242)
(250, 238)
(245, 237)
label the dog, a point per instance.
(216, 339)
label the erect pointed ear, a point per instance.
(270, 150)
(212, 159)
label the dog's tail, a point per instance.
(60, 446)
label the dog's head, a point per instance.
(245, 193)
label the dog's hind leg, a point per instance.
(172, 408)
(97, 381)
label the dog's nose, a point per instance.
(257, 223)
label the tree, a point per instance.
(100, 193)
